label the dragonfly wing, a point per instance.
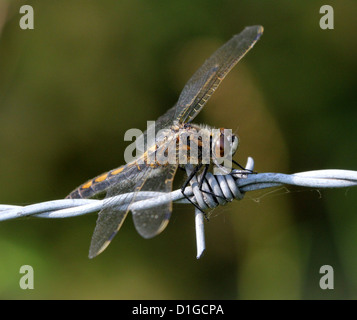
(108, 224)
(111, 218)
(163, 122)
(151, 222)
(206, 79)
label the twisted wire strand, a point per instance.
(218, 190)
(232, 186)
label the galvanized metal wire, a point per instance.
(226, 187)
(231, 186)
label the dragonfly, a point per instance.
(143, 175)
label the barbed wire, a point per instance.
(225, 188)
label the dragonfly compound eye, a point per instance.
(226, 145)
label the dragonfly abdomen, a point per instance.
(97, 185)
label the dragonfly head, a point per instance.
(224, 146)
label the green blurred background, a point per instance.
(90, 70)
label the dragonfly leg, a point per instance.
(203, 178)
(244, 169)
(185, 185)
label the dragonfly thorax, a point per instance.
(194, 144)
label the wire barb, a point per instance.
(217, 190)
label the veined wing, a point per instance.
(206, 79)
(111, 218)
(164, 121)
(151, 222)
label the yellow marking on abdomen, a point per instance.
(87, 185)
(117, 171)
(101, 178)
